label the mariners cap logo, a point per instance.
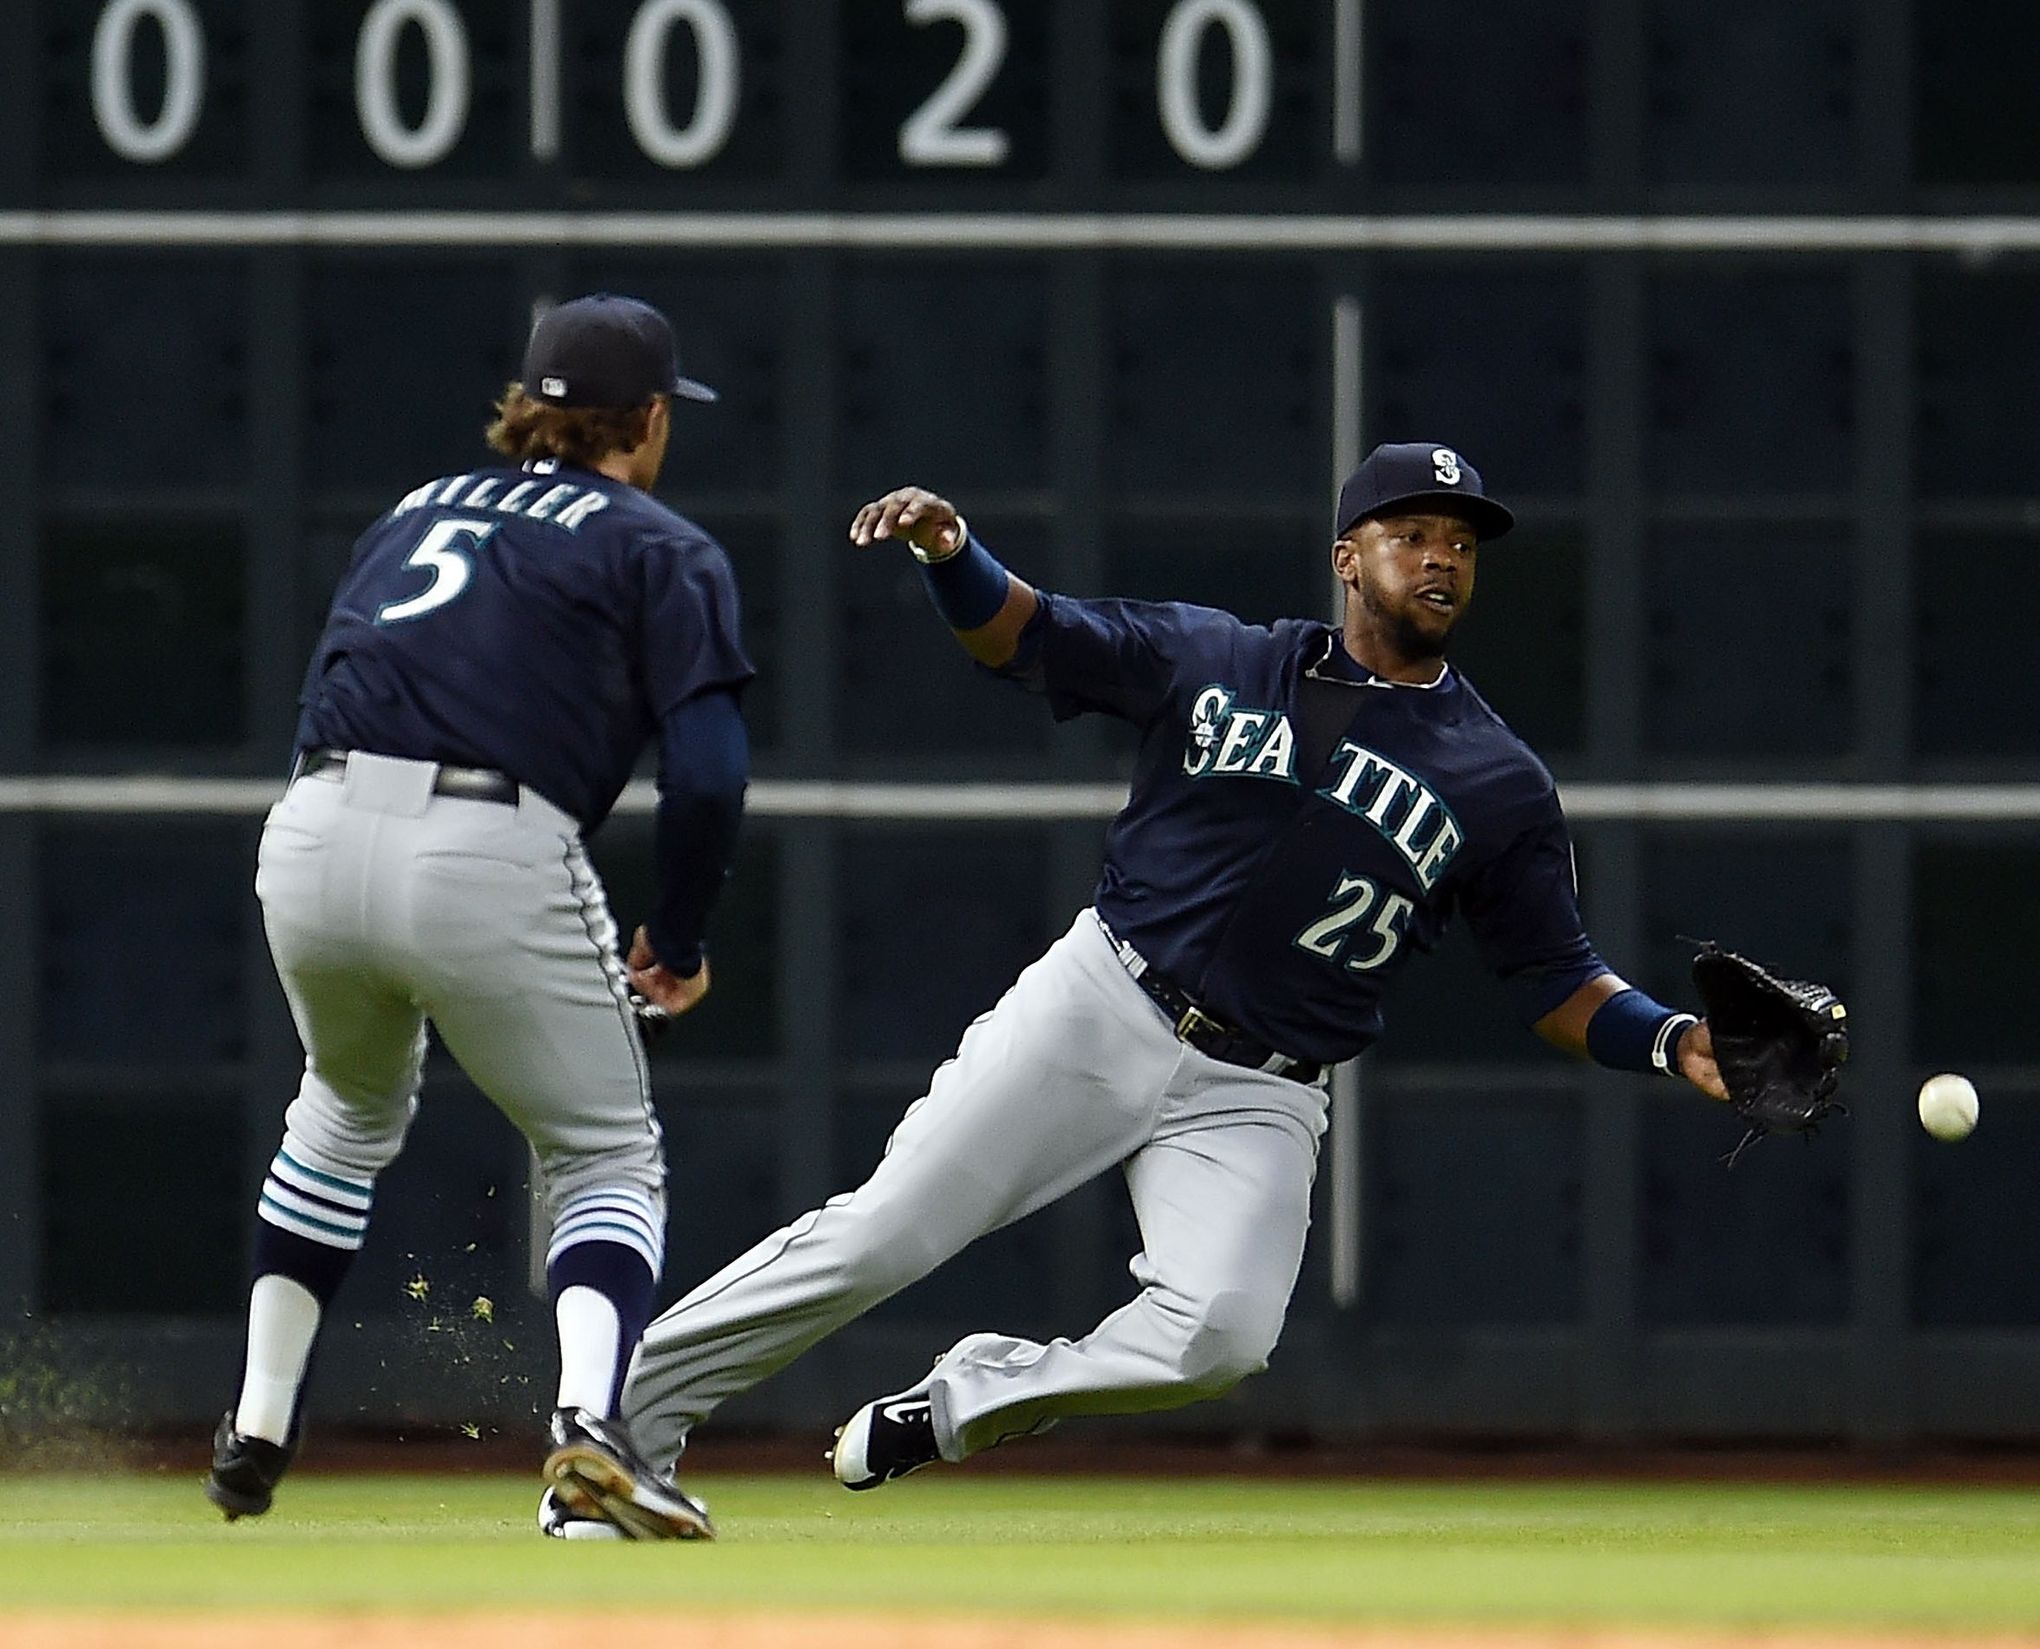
(605, 351)
(1419, 475)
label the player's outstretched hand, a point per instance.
(1696, 1061)
(914, 514)
(659, 986)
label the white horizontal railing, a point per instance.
(1028, 231)
(999, 803)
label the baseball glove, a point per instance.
(1780, 1044)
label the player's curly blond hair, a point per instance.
(526, 428)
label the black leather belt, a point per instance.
(474, 784)
(1209, 1036)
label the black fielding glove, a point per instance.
(1780, 1044)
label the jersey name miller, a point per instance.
(560, 503)
(1228, 740)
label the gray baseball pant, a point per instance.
(1073, 1072)
(386, 906)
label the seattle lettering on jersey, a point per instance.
(1235, 740)
(537, 499)
(1401, 806)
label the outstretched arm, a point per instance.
(1523, 908)
(1567, 1027)
(986, 606)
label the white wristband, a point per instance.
(1661, 1048)
(929, 558)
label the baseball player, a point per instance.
(504, 645)
(1310, 805)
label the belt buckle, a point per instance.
(1196, 1019)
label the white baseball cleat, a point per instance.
(895, 1435)
(885, 1439)
(557, 1523)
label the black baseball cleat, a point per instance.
(245, 1470)
(595, 1474)
(885, 1439)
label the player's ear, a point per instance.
(652, 430)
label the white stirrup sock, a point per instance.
(590, 1333)
(283, 1319)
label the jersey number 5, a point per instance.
(450, 568)
(1352, 901)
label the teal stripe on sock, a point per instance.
(295, 1218)
(352, 1187)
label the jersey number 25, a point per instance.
(1353, 901)
(450, 568)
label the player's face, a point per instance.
(1412, 575)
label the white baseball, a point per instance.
(1948, 1106)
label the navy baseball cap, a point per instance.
(604, 351)
(1408, 474)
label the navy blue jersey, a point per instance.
(541, 621)
(1297, 828)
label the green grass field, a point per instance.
(1700, 1554)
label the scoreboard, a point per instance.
(1334, 105)
(601, 101)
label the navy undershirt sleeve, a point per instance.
(1523, 909)
(704, 765)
